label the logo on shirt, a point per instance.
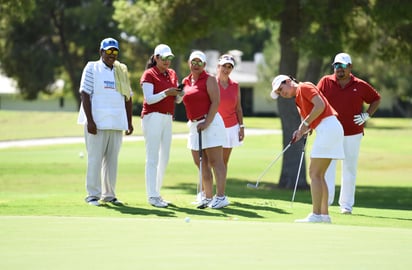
(109, 85)
(354, 89)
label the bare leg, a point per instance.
(226, 156)
(215, 159)
(319, 189)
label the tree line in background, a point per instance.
(45, 40)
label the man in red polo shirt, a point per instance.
(347, 94)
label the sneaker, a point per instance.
(163, 200)
(158, 202)
(326, 219)
(219, 202)
(94, 202)
(311, 218)
(115, 201)
(346, 211)
(204, 203)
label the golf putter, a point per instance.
(300, 167)
(200, 185)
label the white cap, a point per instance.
(198, 54)
(276, 84)
(226, 59)
(342, 58)
(163, 50)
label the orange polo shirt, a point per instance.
(304, 95)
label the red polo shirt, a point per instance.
(348, 101)
(228, 100)
(160, 81)
(196, 98)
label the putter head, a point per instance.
(252, 186)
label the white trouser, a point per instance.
(157, 131)
(102, 156)
(351, 145)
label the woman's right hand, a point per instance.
(173, 91)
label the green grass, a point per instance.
(44, 222)
(18, 125)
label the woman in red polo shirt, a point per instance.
(317, 114)
(230, 106)
(201, 100)
(159, 84)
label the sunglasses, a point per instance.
(228, 66)
(197, 63)
(167, 58)
(340, 65)
(111, 51)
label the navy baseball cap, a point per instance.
(108, 43)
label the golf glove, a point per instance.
(360, 119)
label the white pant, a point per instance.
(157, 131)
(102, 156)
(351, 145)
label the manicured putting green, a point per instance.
(136, 243)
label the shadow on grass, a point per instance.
(172, 211)
(131, 210)
(395, 198)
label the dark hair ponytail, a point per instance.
(293, 79)
(151, 62)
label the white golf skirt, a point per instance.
(232, 134)
(214, 135)
(329, 139)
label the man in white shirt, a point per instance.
(105, 112)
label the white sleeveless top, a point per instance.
(108, 105)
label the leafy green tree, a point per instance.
(53, 39)
(393, 20)
(394, 23)
(186, 23)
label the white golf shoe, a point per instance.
(346, 211)
(219, 202)
(204, 203)
(94, 202)
(326, 219)
(311, 218)
(158, 202)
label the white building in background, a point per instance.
(7, 85)
(254, 101)
(10, 99)
(7, 89)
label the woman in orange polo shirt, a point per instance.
(318, 115)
